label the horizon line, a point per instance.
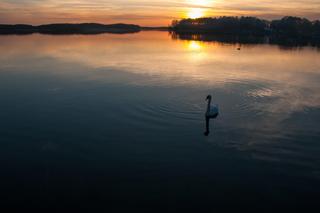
(114, 23)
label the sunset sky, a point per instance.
(147, 12)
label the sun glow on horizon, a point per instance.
(198, 8)
(195, 13)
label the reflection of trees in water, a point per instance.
(283, 42)
(231, 39)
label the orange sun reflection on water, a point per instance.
(196, 50)
(194, 46)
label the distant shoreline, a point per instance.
(64, 29)
(69, 29)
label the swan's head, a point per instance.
(209, 97)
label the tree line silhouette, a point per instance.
(228, 25)
(83, 28)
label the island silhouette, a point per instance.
(65, 28)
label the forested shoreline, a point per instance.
(288, 26)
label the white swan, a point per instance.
(212, 110)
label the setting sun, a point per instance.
(195, 13)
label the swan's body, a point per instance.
(212, 110)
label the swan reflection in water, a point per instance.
(211, 113)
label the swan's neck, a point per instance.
(208, 106)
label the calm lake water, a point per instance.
(116, 122)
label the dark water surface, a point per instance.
(114, 123)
